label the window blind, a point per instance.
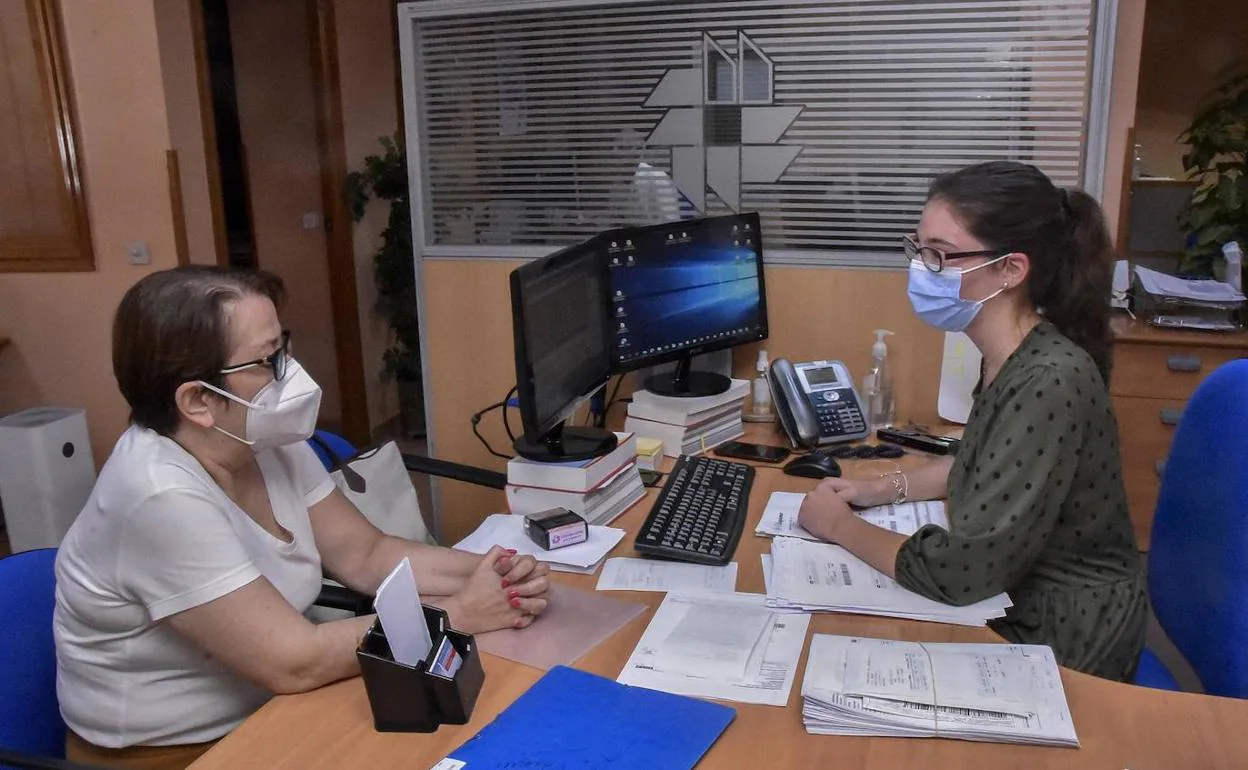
(542, 124)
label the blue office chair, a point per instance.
(32, 733)
(331, 448)
(1198, 555)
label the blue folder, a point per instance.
(573, 720)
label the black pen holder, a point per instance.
(411, 699)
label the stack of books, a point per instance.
(688, 426)
(599, 489)
(1001, 693)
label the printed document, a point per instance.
(623, 573)
(980, 692)
(729, 646)
(824, 577)
(780, 516)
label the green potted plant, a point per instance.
(384, 177)
(1218, 162)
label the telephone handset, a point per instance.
(816, 402)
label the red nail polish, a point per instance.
(511, 551)
(506, 582)
(512, 594)
(515, 603)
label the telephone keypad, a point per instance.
(837, 417)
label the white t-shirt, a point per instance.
(157, 537)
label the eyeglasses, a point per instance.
(277, 361)
(934, 259)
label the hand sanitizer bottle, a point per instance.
(760, 393)
(877, 386)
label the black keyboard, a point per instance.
(700, 513)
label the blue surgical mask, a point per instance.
(937, 297)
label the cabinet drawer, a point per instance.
(1145, 430)
(1164, 371)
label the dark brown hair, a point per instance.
(1015, 207)
(171, 327)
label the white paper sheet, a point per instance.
(983, 692)
(779, 517)
(507, 530)
(769, 671)
(959, 372)
(627, 574)
(714, 639)
(824, 577)
(402, 619)
(1201, 291)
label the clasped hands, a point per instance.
(505, 590)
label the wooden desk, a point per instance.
(1155, 372)
(1120, 726)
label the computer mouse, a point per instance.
(814, 466)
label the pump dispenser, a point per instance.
(877, 386)
(760, 393)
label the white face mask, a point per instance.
(283, 412)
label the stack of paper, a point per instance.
(976, 692)
(820, 577)
(780, 516)
(725, 645)
(688, 425)
(507, 530)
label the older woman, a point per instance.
(182, 585)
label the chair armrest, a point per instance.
(18, 759)
(343, 598)
(456, 471)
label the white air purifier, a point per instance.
(46, 474)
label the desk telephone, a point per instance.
(816, 402)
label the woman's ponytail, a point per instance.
(1077, 300)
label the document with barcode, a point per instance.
(779, 517)
(982, 692)
(821, 577)
(730, 646)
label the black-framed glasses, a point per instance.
(277, 360)
(934, 259)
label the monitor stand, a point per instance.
(682, 383)
(567, 444)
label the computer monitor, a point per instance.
(559, 316)
(679, 289)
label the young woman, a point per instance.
(181, 586)
(1036, 503)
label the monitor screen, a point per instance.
(683, 288)
(559, 313)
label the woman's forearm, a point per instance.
(439, 571)
(929, 481)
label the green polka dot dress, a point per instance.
(1037, 509)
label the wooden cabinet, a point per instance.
(1155, 372)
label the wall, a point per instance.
(273, 72)
(60, 322)
(813, 313)
(1187, 43)
(186, 134)
(366, 67)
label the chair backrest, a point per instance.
(1198, 555)
(337, 444)
(30, 717)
